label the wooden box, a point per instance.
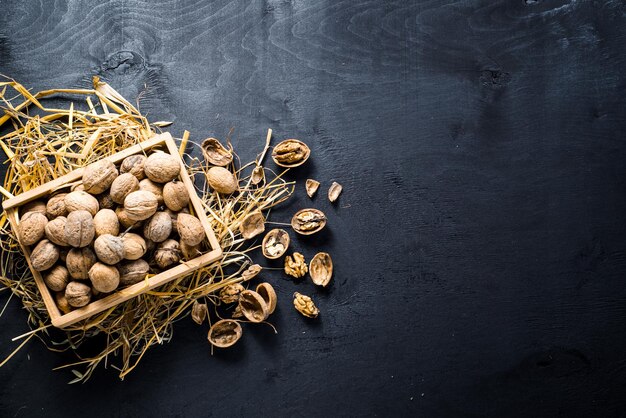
(162, 142)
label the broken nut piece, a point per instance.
(215, 153)
(304, 304)
(311, 187)
(334, 191)
(230, 293)
(252, 225)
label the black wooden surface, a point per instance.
(479, 243)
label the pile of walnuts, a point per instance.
(111, 229)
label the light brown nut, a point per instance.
(311, 187)
(275, 243)
(56, 206)
(190, 229)
(32, 227)
(106, 222)
(134, 246)
(167, 253)
(79, 200)
(252, 225)
(34, 206)
(154, 188)
(189, 251)
(109, 249)
(79, 228)
(158, 228)
(122, 186)
(105, 201)
(215, 153)
(161, 167)
(57, 278)
(77, 294)
(125, 221)
(140, 205)
(253, 307)
(231, 292)
(291, 153)
(133, 272)
(308, 221)
(251, 272)
(224, 333)
(175, 195)
(334, 191)
(221, 180)
(98, 176)
(44, 255)
(174, 217)
(295, 266)
(79, 261)
(321, 269)
(268, 294)
(304, 304)
(104, 278)
(61, 302)
(199, 312)
(134, 165)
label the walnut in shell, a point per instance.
(225, 333)
(125, 221)
(174, 217)
(252, 225)
(295, 266)
(154, 188)
(134, 246)
(57, 278)
(268, 294)
(56, 206)
(199, 312)
(308, 221)
(134, 165)
(98, 176)
(215, 153)
(106, 222)
(167, 253)
(133, 272)
(321, 269)
(44, 255)
(334, 191)
(109, 249)
(62, 303)
(140, 205)
(104, 278)
(79, 228)
(158, 228)
(230, 293)
(291, 153)
(304, 304)
(79, 200)
(79, 261)
(175, 195)
(105, 201)
(253, 307)
(190, 229)
(161, 167)
(221, 180)
(275, 243)
(32, 227)
(77, 294)
(122, 186)
(311, 187)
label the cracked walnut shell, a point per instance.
(308, 221)
(334, 191)
(231, 292)
(321, 269)
(268, 294)
(199, 312)
(291, 153)
(225, 333)
(304, 304)
(253, 306)
(295, 265)
(252, 225)
(311, 187)
(275, 243)
(215, 153)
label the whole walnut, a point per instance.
(167, 253)
(125, 221)
(79, 261)
(152, 187)
(104, 278)
(122, 186)
(190, 229)
(106, 222)
(55, 231)
(62, 303)
(57, 278)
(34, 206)
(161, 167)
(56, 206)
(44, 255)
(105, 201)
(175, 195)
(109, 249)
(134, 165)
(98, 176)
(79, 228)
(77, 294)
(134, 246)
(140, 205)
(133, 272)
(221, 180)
(32, 227)
(79, 200)
(158, 228)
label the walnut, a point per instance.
(61, 301)
(34, 206)
(104, 278)
(231, 292)
(175, 195)
(253, 306)
(267, 292)
(158, 228)
(225, 333)
(311, 187)
(215, 153)
(105, 201)
(154, 188)
(174, 217)
(275, 243)
(79, 228)
(98, 176)
(295, 266)
(133, 272)
(304, 304)
(122, 186)
(77, 294)
(134, 165)
(56, 206)
(189, 251)
(221, 180)
(199, 312)
(32, 227)
(106, 222)
(161, 167)
(334, 191)
(57, 278)
(44, 255)
(79, 200)
(140, 205)
(134, 246)
(321, 269)
(190, 229)
(252, 225)
(291, 153)
(308, 221)
(125, 221)
(109, 249)
(79, 261)
(251, 272)
(167, 253)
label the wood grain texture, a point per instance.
(478, 244)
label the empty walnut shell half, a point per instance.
(225, 333)
(258, 175)
(253, 306)
(251, 272)
(275, 243)
(334, 191)
(311, 187)
(252, 225)
(308, 221)
(291, 153)
(321, 269)
(215, 153)
(199, 312)
(268, 294)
